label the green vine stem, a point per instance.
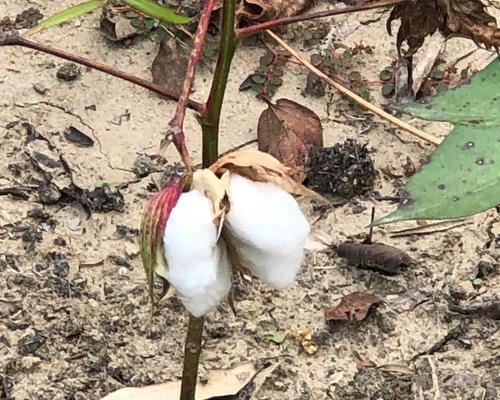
(211, 118)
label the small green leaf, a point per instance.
(277, 81)
(259, 79)
(66, 15)
(316, 59)
(99, 184)
(437, 74)
(155, 10)
(387, 89)
(266, 59)
(385, 75)
(276, 337)
(477, 282)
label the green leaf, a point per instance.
(99, 184)
(276, 337)
(387, 89)
(462, 177)
(155, 10)
(385, 75)
(66, 15)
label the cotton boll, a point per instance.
(198, 266)
(268, 230)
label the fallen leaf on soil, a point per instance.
(266, 10)
(227, 382)
(115, 26)
(262, 167)
(276, 337)
(376, 256)
(354, 306)
(169, 66)
(304, 336)
(464, 18)
(289, 132)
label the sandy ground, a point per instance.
(73, 300)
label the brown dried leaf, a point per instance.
(354, 306)
(266, 10)
(221, 383)
(289, 132)
(262, 167)
(169, 66)
(465, 18)
(376, 256)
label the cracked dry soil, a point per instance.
(73, 301)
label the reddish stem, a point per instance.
(20, 41)
(306, 17)
(176, 124)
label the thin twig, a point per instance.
(176, 124)
(310, 16)
(362, 102)
(21, 41)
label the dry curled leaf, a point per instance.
(376, 256)
(266, 10)
(304, 336)
(464, 18)
(169, 66)
(354, 306)
(261, 167)
(289, 132)
(221, 383)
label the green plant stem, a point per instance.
(249, 30)
(209, 121)
(23, 42)
(192, 351)
(211, 117)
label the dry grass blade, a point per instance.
(362, 102)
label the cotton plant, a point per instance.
(237, 215)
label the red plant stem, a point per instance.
(20, 41)
(176, 124)
(249, 30)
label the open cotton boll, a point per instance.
(268, 230)
(198, 265)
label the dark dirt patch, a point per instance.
(342, 171)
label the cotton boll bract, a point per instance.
(198, 266)
(268, 230)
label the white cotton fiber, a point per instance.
(198, 265)
(268, 230)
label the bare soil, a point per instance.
(73, 298)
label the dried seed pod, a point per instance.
(198, 265)
(267, 229)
